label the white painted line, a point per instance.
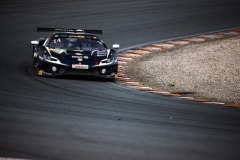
(132, 83)
(214, 103)
(211, 36)
(229, 33)
(182, 37)
(164, 92)
(145, 88)
(186, 97)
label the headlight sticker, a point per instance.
(57, 50)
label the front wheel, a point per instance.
(112, 77)
(36, 67)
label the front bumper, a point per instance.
(52, 69)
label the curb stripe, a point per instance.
(196, 39)
(151, 49)
(163, 46)
(134, 53)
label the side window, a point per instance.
(105, 46)
(51, 43)
(56, 43)
(102, 46)
(48, 40)
(41, 42)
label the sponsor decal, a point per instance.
(78, 57)
(57, 50)
(76, 36)
(79, 66)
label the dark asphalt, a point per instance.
(88, 118)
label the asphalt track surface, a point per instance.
(88, 118)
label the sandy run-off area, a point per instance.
(209, 70)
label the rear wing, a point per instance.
(42, 29)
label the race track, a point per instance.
(78, 117)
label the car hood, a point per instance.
(89, 57)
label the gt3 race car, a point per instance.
(74, 51)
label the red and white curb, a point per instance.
(134, 53)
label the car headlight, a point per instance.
(46, 55)
(111, 59)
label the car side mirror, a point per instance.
(116, 46)
(34, 42)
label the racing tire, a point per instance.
(36, 67)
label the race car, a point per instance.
(74, 51)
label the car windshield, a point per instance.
(75, 44)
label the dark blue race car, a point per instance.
(74, 51)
